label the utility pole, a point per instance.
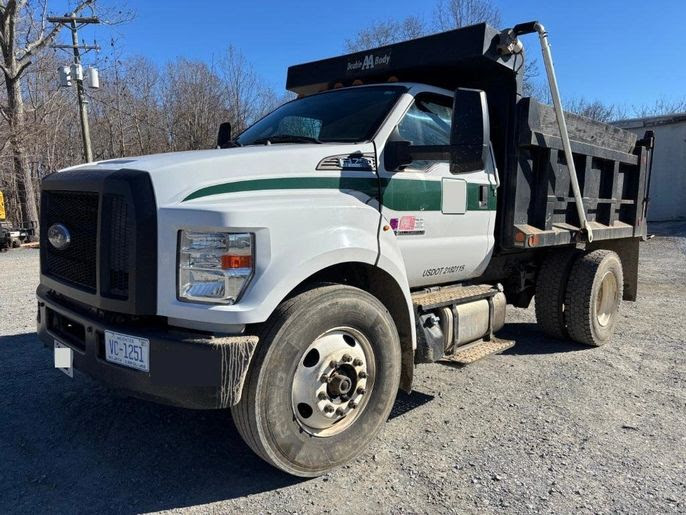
(74, 23)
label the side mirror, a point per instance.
(224, 135)
(470, 131)
(396, 154)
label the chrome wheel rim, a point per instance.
(607, 299)
(332, 382)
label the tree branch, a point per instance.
(44, 39)
(8, 28)
(3, 112)
(25, 64)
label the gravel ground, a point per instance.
(546, 427)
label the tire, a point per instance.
(551, 286)
(594, 295)
(269, 417)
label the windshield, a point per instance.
(347, 115)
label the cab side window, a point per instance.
(427, 122)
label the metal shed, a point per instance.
(668, 181)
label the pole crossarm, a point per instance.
(76, 19)
(82, 47)
(85, 48)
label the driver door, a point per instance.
(443, 221)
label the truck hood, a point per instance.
(177, 175)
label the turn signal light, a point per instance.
(232, 261)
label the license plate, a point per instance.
(126, 350)
(64, 358)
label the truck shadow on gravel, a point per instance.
(530, 340)
(673, 229)
(73, 445)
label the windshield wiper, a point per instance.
(285, 138)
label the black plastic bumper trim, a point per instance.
(186, 369)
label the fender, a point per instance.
(291, 245)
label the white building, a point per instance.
(668, 182)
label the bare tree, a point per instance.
(595, 109)
(142, 82)
(660, 107)
(248, 98)
(194, 104)
(447, 15)
(385, 32)
(48, 111)
(452, 14)
(24, 32)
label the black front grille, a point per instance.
(111, 263)
(115, 216)
(78, 212)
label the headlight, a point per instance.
(214, 267)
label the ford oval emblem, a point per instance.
(59, 236)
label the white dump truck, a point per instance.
(384, 218)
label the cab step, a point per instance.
(477, 350)
(449, 295)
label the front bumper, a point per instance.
(191, 370)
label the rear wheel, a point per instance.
(594, 294)
(551, 286)
(322, 382)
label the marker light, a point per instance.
(234, 261)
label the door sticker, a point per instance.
(407, 225)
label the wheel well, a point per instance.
(384, 287)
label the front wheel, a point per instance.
(322, 382)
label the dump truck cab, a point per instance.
(383, 218)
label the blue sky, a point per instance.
(626, 52)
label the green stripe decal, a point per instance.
(367, 185)
(411, 195)
(396, 193)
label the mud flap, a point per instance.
(236, 354)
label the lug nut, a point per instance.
(324, 379)
(362, 375)
(357, 362)
(361, 391)
(347, 358)
(340, 412)
(352, 405)
(322, 396)
(333, 363)
(328, 409)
